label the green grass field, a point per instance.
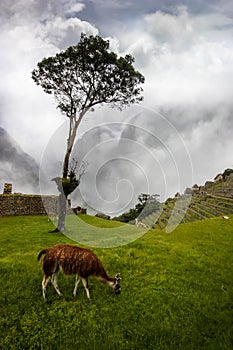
(177, 291)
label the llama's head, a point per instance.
(117, 286)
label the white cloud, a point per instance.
(209, 142)
(78, 7)
(182, 30)
(186, 59)
(66, 32)
(172, 29)
(26, 36)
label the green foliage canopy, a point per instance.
(227, 172)
(148, 204)
(88, 74)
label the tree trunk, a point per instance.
(62, 213)
(70, 144)
(66, 163)
(62, 197)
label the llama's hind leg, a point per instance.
(54, 283)
(85, 284)
(45, 281)
(77, 280)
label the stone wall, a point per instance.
(27, 204)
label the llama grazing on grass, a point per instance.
(72, 260)
(140, 224)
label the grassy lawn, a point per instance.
(177, 290)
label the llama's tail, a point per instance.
(44, 251)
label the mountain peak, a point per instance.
(17, 166)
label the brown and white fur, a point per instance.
(140, 224)
(72, 260)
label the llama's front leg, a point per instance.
(44, 284)
(77, 280)
(55, 284)
(85, 284)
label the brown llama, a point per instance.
(72, 260)
(140, 223)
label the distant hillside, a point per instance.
(16, 166)
(215, 198)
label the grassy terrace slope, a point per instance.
(201, 207)
(177, 291)
(214, 199)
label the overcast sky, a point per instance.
(184, 127)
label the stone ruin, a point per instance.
(7, 188)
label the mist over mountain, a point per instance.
(140, 151)
(16, 166)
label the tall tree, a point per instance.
(81, 77)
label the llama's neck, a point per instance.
(103, 277)
(110, 281)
